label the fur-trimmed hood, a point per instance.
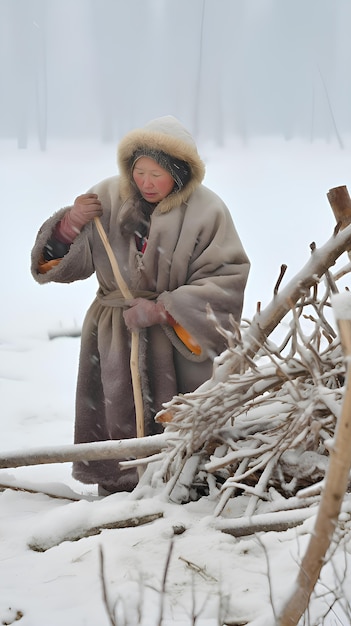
(168, 135)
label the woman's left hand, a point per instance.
(143, 313)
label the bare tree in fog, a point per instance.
(24, 67)
(97, 68)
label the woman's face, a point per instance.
(153, 182)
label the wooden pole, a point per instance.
(337, 475)
(336, 481)
(134, 351)
(94, 451)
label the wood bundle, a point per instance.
(261, 426)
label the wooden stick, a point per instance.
(336, 481)
(121, 283)
(138, 398)
(340, 202)
(94, 451)
(134, 352)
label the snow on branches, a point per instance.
(263, 424)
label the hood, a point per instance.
(169, 135)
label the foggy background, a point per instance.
(97, 68)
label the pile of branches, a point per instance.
(261, 426)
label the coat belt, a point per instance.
(115, 298)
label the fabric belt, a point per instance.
(115, 298)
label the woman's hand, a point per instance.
(85, 208)
(143, 313)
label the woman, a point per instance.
(178, 251)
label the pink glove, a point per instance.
(143, 313)
(85, 208)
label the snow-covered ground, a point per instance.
(276, 191)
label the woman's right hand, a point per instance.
(85, 208)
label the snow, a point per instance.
(341, 303)
(276, 191)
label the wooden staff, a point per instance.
(134, 352)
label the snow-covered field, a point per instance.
(277, 194)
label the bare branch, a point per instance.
(104, 589)
(164, 581)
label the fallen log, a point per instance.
(76, 520)
(132, 522)
(72, 332)
(97, 450)
(58, 491)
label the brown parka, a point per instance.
(193, 258)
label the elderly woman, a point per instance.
(178, 251)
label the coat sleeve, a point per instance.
(77, 264)
(217, 274)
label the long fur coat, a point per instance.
(193, 258)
